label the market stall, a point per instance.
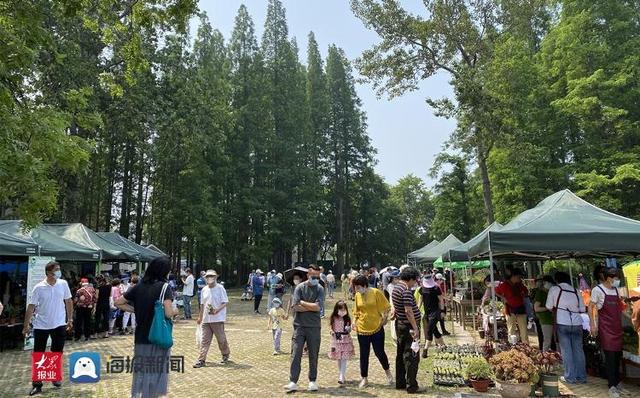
(414, 255)
(560, 226)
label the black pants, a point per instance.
(431, 327)
(377, 341)
(102, 318)
(83, 322)
(40, 337)
(256, 301)
(612, 365)
(407, 361)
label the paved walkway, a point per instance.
(253, 372)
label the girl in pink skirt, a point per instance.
(341, 343)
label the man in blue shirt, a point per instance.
(258, 288)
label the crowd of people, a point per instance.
(411, 300)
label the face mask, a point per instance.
(361, 290)
(342, 313)
(314, 282)
(547, 285)
(211, 280)
(58, 274)
(296, 282)
(616, 283)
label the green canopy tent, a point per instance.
(16, 242)
(63, 249)
(416, 253)
(146, 255)
(440, 262)
(561, 226)
(430, 255)
(83, 236)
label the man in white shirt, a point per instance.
(566, 303)
(213, 314)
(187, 293)
(49, 300)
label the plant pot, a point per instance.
(481, 385)
(514, 390)
(550, 387)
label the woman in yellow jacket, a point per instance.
(370, 313)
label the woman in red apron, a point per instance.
(607, 301)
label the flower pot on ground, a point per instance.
(479, 373)
(514, 372)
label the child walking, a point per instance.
(341, 344)
(276, 316)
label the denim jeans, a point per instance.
(570, 338)
(186, 302)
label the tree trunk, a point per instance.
(139, 199)
(486, 186)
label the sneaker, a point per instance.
(445, 333)
(225, 360)
(57, 384)
(622, 390)
(199, 364)
(291, 387)
(35, 390)
(276, 353)
(614, 393)
(390, 377)
(363, 383)
(313, 386)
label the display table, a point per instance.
(10, 335)
(462, 310)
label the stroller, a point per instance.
(247, 295)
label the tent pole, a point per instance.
(493, 297)
(571, 270)
(453, 323)
(473, 302)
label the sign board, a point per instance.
(35, 275)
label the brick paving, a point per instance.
(252, 372)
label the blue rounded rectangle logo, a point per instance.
(84, 367)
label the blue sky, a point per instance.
(404, 130)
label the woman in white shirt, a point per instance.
(566, 305)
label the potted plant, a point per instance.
(514, 372)
(549, 364)
(479, 373)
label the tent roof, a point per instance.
(428, 246)
(155, 249)
(15, 242)
(563, 225)
(461, 253)
(83, 236)
(430, 255)
(146, 255)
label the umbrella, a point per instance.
(290, 273)
(300, 271)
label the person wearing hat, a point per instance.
(257, 285)
(432, 302)
(392, 275)
(331, 283)
(274, 283)
(85, 301)
(277, 316)
(213, 315)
